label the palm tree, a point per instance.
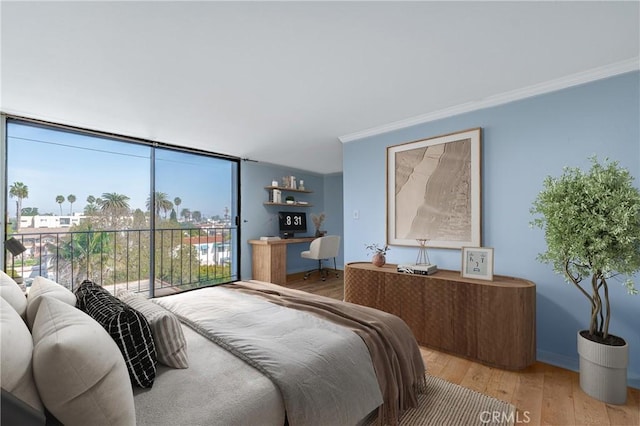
(71, 199)
(197, 216)
(20, 191)
(114, 205)
(186, 213)
(90, 210)
(161, 203)
(112, 201)
(176, 201)
(60, 200)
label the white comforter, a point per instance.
(323, 371)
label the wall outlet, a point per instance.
(356, 214)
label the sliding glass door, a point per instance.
(123, 213)
(195, 206)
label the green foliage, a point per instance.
(29, 211)
(376, 249)
(84, 252)
(591, 223)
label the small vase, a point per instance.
(318, 233)
(378, 259)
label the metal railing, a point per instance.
(184, 258)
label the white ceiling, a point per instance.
(281, 82)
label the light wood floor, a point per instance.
(542, 393)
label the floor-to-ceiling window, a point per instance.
(124, 213)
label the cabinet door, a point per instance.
(466, 301)
(439, 319)
(364, 287)
(506, 326)
(403, 297)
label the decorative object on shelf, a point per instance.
(423, 265)
(289, 182)
(420, 175)
(423, 256)
(477, 262)
(317, 222)
(301, 186)
(274, 183)
(290, 199)
(591, 222)
(378, 254)
(275, 196)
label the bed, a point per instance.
(346, 364)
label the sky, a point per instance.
(52, 162)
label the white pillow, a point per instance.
(12, 293)
(16, 349)
(78, 368)
(42, 286)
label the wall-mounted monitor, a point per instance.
(292, 222)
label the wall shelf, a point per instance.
(285, 190)
(269, 203)
(305, 191)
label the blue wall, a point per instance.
(523, 142)
(259, 220)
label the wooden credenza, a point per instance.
(493, 322)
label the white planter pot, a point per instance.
(603, 370)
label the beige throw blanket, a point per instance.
(394, 351)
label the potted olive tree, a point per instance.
(591, 222)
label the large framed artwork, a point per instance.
(433, 191)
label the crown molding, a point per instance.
(503, 98)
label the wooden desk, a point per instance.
(493, 322)
(269, 259)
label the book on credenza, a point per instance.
(269, 238)
(418, 269)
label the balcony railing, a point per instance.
(183, 258)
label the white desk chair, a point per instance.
(322, 248)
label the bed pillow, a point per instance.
(16, 349)
(12, 293)
(42, 286)
(79, 371)
(171, 346)
(126, 326)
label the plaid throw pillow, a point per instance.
(126, 326)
